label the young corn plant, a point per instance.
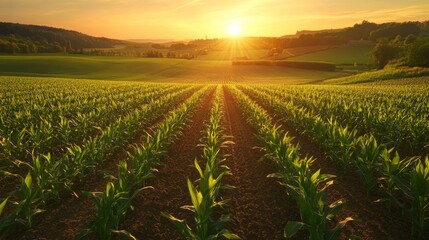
(75, 164)
(203, 205)
(305, 187)
(368, 156)
(368, 160)
(5, 221)
(28, 196)
(394, 173)
(341, 143)
(113, 203)
(308, 189)
(116, 200)
(419, 193)
(47, 176)
(205, 200)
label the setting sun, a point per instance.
(234, 30)
(192, 94)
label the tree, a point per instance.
(384, 52)
(391, 30)
(398, 40)
(410, 39)
(418, 53)
(68, 46)
(13, 48)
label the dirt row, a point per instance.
(373, 220)
(170, 188)
(64, 219)
(259, 206)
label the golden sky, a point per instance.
(190, 19)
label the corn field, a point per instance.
(104, 148)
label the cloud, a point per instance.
(195, 18)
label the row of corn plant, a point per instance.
(52, 176)
(396, 116)
(55, 126)
(206, 198)
(309, 189)
(113, 204)
(366, 155)
(72, 132)
(48, 178)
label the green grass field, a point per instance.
(349, 54)
(385, 76)
(228, 55)
(84, 66)
(153, 69)
(191, 71)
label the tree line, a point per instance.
(403, 43)
(21, 38)
(15, 44)
(410, 51)
(362, 31)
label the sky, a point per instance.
(195, 19)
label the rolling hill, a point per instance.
(15, 38)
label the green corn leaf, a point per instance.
(28, 180)
(335, 234)
(228, 235)
(334, 208)
(2, 205)
(197, 166)
(292, 227)
(188, 207)
(184, 229)
(124, 234)
(196, 196)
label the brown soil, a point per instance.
(259, 206)
(65, 219)
(170, 187)
(372, 220)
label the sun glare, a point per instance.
(234, 30)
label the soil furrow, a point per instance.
(64, 219)
(170, 188)
(259, 206)
(373, 220)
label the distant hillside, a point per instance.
(360, 31)
(153, 40)
(302, 32)
(20, 38)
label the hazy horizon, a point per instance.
(193, 19)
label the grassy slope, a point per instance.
(342, 55)
(151, 69)
(298, 51)
(82, 66)
(388, 76)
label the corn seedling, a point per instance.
(419, 193)
(308, 189)
(114, 202)
(205, 200)
(368, 160)
(28, 195)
